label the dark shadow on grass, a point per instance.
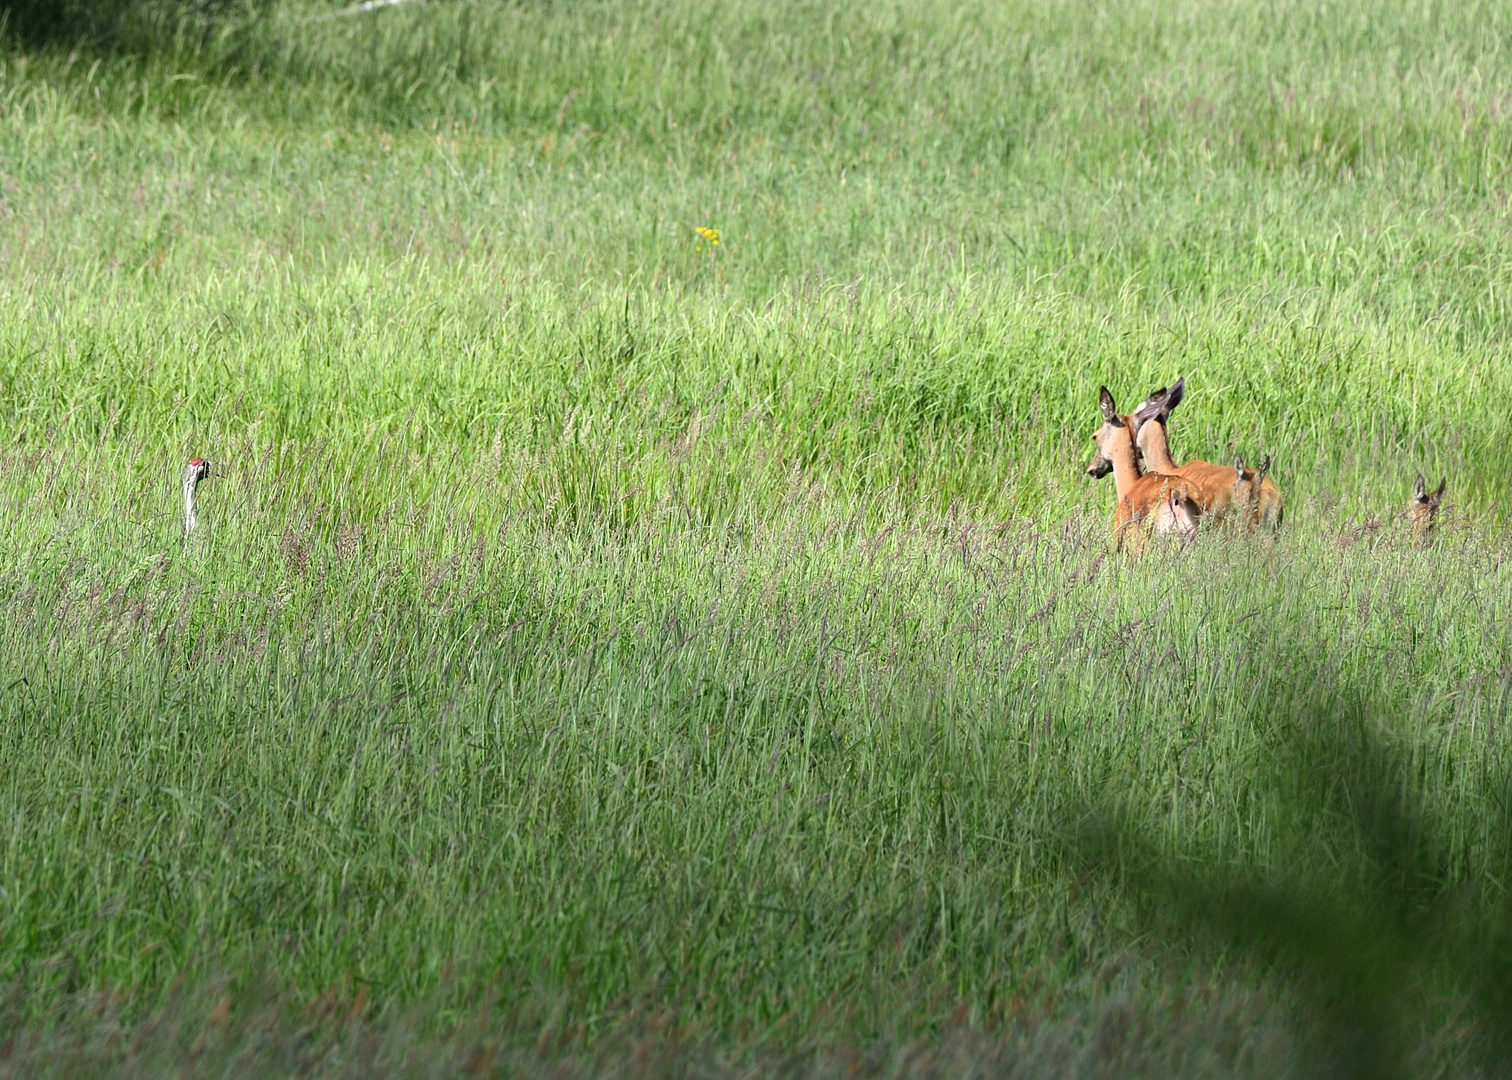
(1362, 912)
(124, 26)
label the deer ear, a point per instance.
(1420, 492)
(1151, 408)
(1264, 468)
(1238, 468)
(1105, 400)
(1439, 494)
(1175, 394)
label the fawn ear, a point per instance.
(1238, 468)
(1109, 410)
(1420, 492)
(1439, 494)
(1174, 396)
(1262, 470)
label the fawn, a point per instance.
(1424, 508)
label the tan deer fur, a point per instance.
(1261, 502)
(1143, 500)
(1424, 508)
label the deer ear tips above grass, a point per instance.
(1152, 408)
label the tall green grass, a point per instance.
(604, 626)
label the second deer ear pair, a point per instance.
(1157, 407)
(1241, 473)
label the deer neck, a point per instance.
(1156, 447)
(1121, 454)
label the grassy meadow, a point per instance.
(605, 651)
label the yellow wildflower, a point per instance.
(711, 236)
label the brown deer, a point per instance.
(1143, 500)
(1215, 483)
(1424, 509)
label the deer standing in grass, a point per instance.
(1258, 499)
(1424, 509)
(1166, 505)
(194, 472)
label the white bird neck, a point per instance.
(190, 520)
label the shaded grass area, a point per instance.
(794, 772)
(260, 1034)
(607, 651)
